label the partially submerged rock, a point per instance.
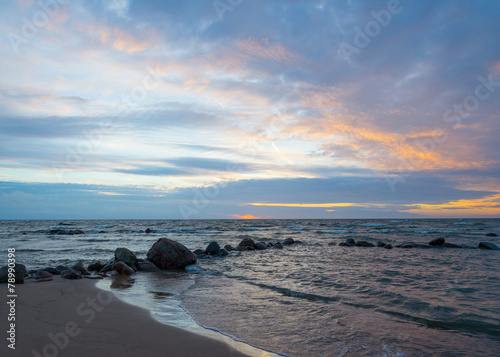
(437, 241)
(148, 267)
(489, 246)
(126, 256)
(123, 269)
(213, 248)
(167, 254)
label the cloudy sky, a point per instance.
(249, 108)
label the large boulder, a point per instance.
(212, 248)
(167, 254)
(126, 256)
(123, 269)
(71, 274)
(437, 241)
(487, 245)
(19, 273)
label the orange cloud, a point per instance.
(486, 206)
(121, 40)
(319, 205)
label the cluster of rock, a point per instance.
(434, 243)
(247, 244)
(165, 254)
(68, 232)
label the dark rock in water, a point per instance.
(487, 245)
(71, 274)
(42, 274)
(335, 243)
(66, 232)
(250, 248)
(19, 273)
(149, 230)
(451, 245)
(107, 267)
(363, 243)
(278, 246)
(420, 245)
(123, 269)
(148, 267)
(381, 244)
(388, 246)
(405, 246)
(437, 241)
(168, 254)
(61, 268)
(247, 242)
(222, 252)
(270, 244)
(288, 241)
(126, 256)
(199, 252)
(342, 244)
(228, 247)
(260, 246)
(243, 248)
(96, 265)
(491, 235)
(79, 267)
(213, 248)
(350, 242)
(51, 271)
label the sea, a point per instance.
(311, 299)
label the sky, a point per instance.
(249, 109)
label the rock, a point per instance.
(96, 265)
(79, 267)
(42, 274)
(247, 242)
(363, 243)
(487, 245)
(228, 247)
(491, 235)
(222, 252)
(260, 246)
(405, 246)
(213, 248)
(126, 256)
(19, 273)
(123, 269)
(52, 271)
(388, 246)
(107, 267)
(278, 246)
(437, 241)
(288, 241)
(168, 254)
(350, 242)
(270, 244)
(342, 244)
(243, 248)
(68, 232)
(61, 268)
(420, 245)
(199, 252)
(147, 267)
(335, 243)
(149, 230)
(71, 274)
(451, 245)
(381, 244)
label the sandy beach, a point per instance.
(75, 318)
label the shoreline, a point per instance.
(76, 318)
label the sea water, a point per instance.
(310, 299)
